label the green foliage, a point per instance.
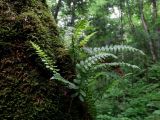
(80, 27)
(81, 92)
(50, 64)
(133, 96)
(154, 73)
(130, 99)
(93, 64)
(77, 39)
(99, 63)
(114, 49)
(86, 39)
(99, 56)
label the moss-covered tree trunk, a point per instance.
(26, 91)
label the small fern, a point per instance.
(86, 39)
(80, 27)
(50, 64)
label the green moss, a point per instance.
(21, 100)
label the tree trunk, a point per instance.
(73, 14)
(57, 9)
(150, 41)
(154, 21)
(26, 91)
(154, 10)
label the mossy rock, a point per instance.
(26, 91)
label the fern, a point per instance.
(87, 69)
(95, 64)
(86, 39)
(50, 64)
(76, 37)
(91, 103)
(89, 62)
(99, 55)
(113, 48)
(80, 27)
(116, 64)
(97, 61)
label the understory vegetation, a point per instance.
(132, 97)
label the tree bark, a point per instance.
(56, 11)
(73, 15)
(154, 10)
(154, 21)
(146, 29)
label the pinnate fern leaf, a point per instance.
(90, 61)
(50, 64)
(86, 39)
(113, 48)
(116, 64)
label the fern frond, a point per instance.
(49, 63)
(112, 48)
(80, 27)
(89, 62)
(58, 77)
(91, 104)
(86, 39)
(115, 64)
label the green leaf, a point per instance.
(81, 98)
(82, 93)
